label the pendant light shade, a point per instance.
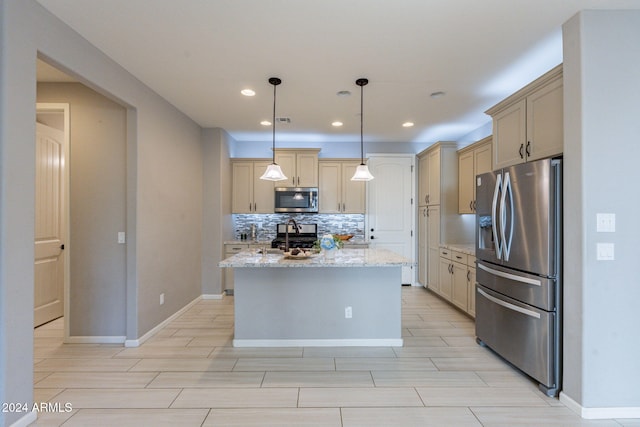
(274, 172)
(362, 172)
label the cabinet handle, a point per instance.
(468, 275)
(255, 207)
(474, 205)
(426, 200)
(293, 180)
(427, 211)
(520, 151)
(528, 147)
(249, 206)
(458, 257)
(471, 205)
(344, 208)
(451, 268)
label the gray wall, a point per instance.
(97, 168)
(602, 105)
(163, 181)
(217, 221)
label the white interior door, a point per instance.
(50, 225)
(390, 213)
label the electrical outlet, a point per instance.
(348, 312)
(161, 298)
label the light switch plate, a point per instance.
(121, 237)
(605, 252)
(605, 223)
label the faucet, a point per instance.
(286, 233)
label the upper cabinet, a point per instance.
(472, 160)
(250, 194)
(528, 125)
(300, 166)
(429, 169)
(337, 193)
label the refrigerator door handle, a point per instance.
(494, 216)
(506, 192)
(509, 305)
(510, 276)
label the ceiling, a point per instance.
(199, 55)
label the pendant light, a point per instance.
(274, 172)
(362, 171)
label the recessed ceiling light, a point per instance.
(438, 94)
(336, 124)
(407, 124)
(343, 93)
(265, 123)
(248, 92)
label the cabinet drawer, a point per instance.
(445, 253)
(471, 261)
(459, 257)
(234, 249)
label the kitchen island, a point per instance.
(353, 299)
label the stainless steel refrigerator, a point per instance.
(519, 255)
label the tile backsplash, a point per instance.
(327, 223)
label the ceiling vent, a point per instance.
(286, 120)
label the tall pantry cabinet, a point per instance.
(438, 219)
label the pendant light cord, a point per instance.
(273, 147)
(362, 82)
(361, 124)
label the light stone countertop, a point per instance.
(465, 248)
(345, 257)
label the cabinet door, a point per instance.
(329, 188)
(466, 182)
(545, 121)
(263, 195)
(445, 278)
(471, 307)
(460, 291)
(433, 238)
(242, 187)
(306, 170)
(482, 160)
(509, 135)
(287, 162)
(434, 177)
(423, 180)
(353, 192)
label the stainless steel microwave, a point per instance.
(300, 199)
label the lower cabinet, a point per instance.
(457, 279)
(229, 250)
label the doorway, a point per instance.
(51, 263)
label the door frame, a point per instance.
(412, 157)
(63, 108)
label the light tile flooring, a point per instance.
(190, 375)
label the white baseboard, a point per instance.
(320, 343)
(599, 413)
(138, 342)
(212, 296)
(108, 339)
(26, 420)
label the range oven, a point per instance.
(296, 199)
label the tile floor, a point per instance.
(189, 375)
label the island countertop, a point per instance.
(347, 257)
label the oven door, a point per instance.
(301, 199)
